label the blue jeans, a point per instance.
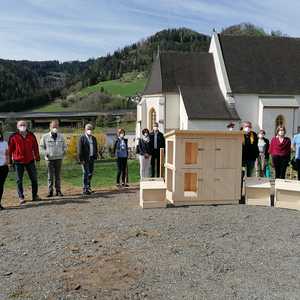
(31, 170)
(87, 170)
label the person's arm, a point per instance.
(43, 146)
(96, 148)
(35, 148)
(115, 147)
(293, 145)
(11, 148)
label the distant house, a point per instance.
(240, 78)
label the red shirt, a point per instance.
(280, 149)
(23, 149)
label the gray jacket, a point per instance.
(53, 148)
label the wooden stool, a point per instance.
(258, 191)
(153, 193)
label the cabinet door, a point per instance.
(197, 185)
(197, 152)
(227, 153)
(226, 184)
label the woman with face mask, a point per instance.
(280, 150)
(121, 153)
(145, 152)
(4, 160)
(263, 156)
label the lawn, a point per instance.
(117, 87)
(104, 176)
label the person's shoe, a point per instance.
(1, 207)
(50, 194)
(125, 185)
(36, 198)
(22, 201)
(91, 191)
(59, 194)
(87, 192)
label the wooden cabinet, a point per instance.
(203, 167)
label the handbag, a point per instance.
(294, 164)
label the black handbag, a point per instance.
(294, 164)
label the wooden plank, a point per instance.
(162, 163)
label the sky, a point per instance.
(67, 30)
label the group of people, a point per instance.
(22, 151)
(257, 151)
(148, 148)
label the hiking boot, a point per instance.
(36, 198)
(59, 194)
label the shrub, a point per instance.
(72, 147)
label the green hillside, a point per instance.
(116, 87)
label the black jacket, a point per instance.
(144, 147)
(160, 140)
(83, 148)
(250, 148)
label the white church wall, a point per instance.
(184, 121)
(172, 111)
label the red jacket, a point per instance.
(23, 150)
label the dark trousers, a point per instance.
(280, 164)
(122, 168)
(298, 167)
(54, 170)
(3, 176)
(31, 171)
(155, 163)
(87, 173)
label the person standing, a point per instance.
(145, 152)
(250, 150)
(87, 151)
(23, 153)
(263, 156)
(296, 148)
(121, 153)
(4, 160)
(54, 147)
(280, 149)
(157, 141)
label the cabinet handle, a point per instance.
(218, 149)
(200, 179)
(217, 179)
(201, 149)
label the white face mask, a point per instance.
(22, 128)
(121, 135)
(260, 136)
(247, 129)
(89, 132)
(145, 134)
(54, 130)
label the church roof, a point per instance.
(262, 65)
(194, 75)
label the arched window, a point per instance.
(280, 121)
(152, 118)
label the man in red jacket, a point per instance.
(23, 152)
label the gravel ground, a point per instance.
(106, 247)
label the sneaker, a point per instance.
(36, 198)
(22, 201)
(125, 185)
(91, 191)
(59, 194)
(87, 192)
(50, 194)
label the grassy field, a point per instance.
(104, 176)
(116, 87)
